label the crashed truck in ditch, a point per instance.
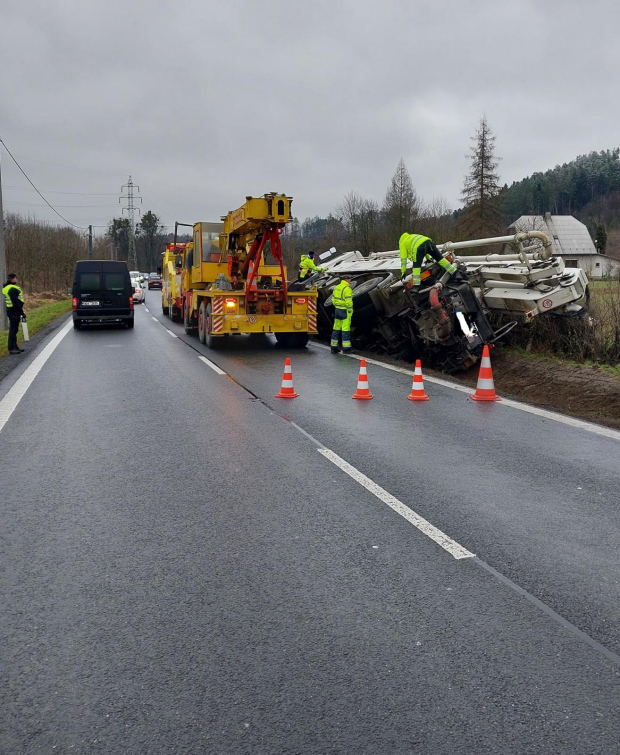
(450, 319)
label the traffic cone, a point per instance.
(362, 392)
(286, 391)
(417, 389)
(485, 390)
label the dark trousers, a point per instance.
(13, 328)
(428, 247)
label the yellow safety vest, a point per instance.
(7, 296)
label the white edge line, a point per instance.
(154, 318)
(210, 364)
(453, 548)
(581, 424)
(174, 335)
(9, 402)
(148, 310)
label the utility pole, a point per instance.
(4, 321)
(130, 187)
(90, 242)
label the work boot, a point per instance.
(16, 351)
(348, 350)
(335, 350)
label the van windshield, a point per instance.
(91, 282)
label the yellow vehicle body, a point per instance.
(171, 273)
(227, 287)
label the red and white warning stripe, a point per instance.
(218, 323)
(218, 305)
(312, 314)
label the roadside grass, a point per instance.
(545, 356)
(39, 315)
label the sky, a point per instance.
(204, 103)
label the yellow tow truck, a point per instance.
(229, 289)
(171, 269)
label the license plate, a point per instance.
(90, 303)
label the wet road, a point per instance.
(188, 572)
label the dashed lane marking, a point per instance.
(210, 364)
(9, 403)
(607, 432)
(174, 335)
(154, 318)
(447, 543)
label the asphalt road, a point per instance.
(188, 570)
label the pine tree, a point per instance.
(481, 216)
(600, 239)
(401, 206)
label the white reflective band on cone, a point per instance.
(485, 384)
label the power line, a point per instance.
(74, 193)
(38, 192)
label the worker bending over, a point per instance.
(307, 264)
(342, 299)
(415, 247)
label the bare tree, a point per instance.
(401, 206)
(437, 220)
(481, 217)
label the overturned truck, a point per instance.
(450, 319)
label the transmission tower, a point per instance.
(127, 191)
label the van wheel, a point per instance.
(202, 322)
(129, 324)
(77, 325)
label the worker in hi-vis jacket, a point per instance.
(415, 247)
(342, 299)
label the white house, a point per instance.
(572, 242)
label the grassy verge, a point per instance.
(541, 356)
(38, 318)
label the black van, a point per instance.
(102, 292)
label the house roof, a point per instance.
(568, 235)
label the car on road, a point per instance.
(154, 281)
(139, 293)
(102, 293)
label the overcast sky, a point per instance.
(206, 102)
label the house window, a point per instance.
(571, 263)
(598, 264)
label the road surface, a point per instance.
(194, 566)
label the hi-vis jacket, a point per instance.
(13, 298)
(306, 265)
(342, 297)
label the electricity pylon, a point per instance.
(130, 187)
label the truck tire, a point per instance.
(186, 319)
(202, 322)
(292, 340)
(212, 342)
(164, 309)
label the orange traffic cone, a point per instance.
(485, 390)
(362, 392)
(286, 391)
(417, 389)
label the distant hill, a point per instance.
(566, 189)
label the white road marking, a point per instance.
(581, 424)
(174, 335)
(453, 548)
(210, 364)
(9, 403)
(146, 308)
(154, 318)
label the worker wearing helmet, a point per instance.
(307, 264)
(342, 299)
(415, 247)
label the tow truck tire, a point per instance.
(164, 309)
(292, 340)
(186, 320)
(211, 341)
(202, 323)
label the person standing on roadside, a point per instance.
(14, 302)
(342, 299)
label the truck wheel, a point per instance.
(211, 341)
(187, 323)
(292, 340)
(202, 323)
(164, 309)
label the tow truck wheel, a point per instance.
(210, 341)
(292, 340)
(202, 323)
(186, 320)
(164, 309)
